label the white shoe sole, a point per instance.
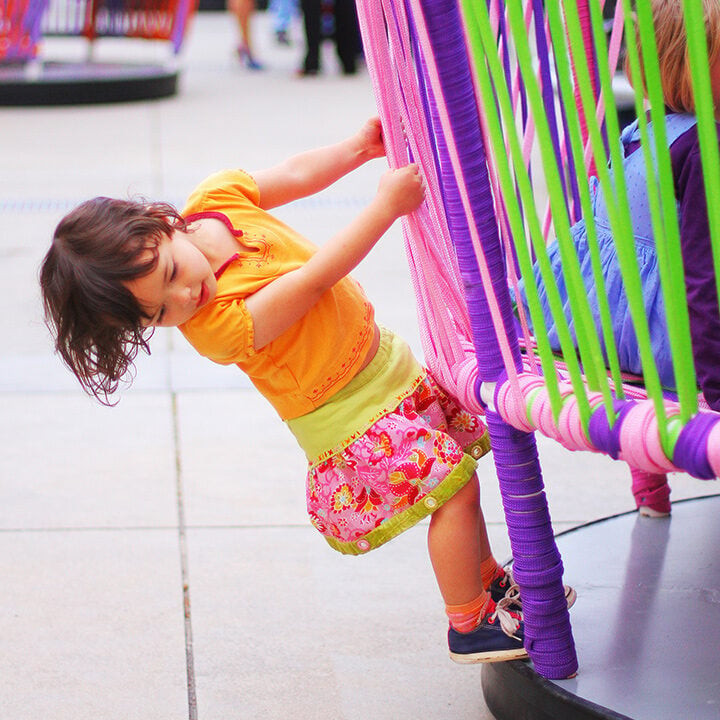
(489, 657)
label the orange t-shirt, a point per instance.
(302, 368)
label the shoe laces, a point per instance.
(508, 619)
(513, 589)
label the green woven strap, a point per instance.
(576, 72)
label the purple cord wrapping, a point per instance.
(182, 13)
(537, 565)
(463, 115)
(549, 100)
(24, 22)
(690, 453)
(507, 69)
(428, 104)
(691, 447)
(32, 22)
(602, 436)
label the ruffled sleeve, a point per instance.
(222, 332)
(223, 189)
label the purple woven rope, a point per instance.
(549, 100)
(429, 105)
(460, 98)
(504, 35)
(690, 452)
(537, 565)
(606, 438)
(691, 446)
(181, 19)
(33, 18)
(28, 17)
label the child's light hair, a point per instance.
(671, 41)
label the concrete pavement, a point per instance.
(156, 557)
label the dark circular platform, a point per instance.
(646, 624)
(75, 83)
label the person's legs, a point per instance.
(347, 35)
(311, 19)
(242, 10)
(282, 12)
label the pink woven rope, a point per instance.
(639, 436)
(444, 326)
(433, 77)
(511, 405)
(541, 413)
(570, 426)
(522, 400)
(584, 15)
(527, 147)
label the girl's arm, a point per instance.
(309, 172)
(284, 301)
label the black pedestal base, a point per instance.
(56, 83)
(646, 624)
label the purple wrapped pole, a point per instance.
(537, 564)
(20, 32)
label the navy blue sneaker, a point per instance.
(497, 638)
(504, 586)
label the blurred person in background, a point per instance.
(243, 11)
(331, 19)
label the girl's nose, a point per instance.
(183, 294)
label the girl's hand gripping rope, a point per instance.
(403, 189)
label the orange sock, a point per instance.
(488, 570)
(465, 618)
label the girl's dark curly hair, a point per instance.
(96, 322)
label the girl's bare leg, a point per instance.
(458, 543)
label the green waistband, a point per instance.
(392, 375)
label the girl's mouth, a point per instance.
(204, 293)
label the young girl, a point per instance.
(651, 491)
(385, 443)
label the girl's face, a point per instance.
(181, 283)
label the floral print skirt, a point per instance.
(405, 466)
